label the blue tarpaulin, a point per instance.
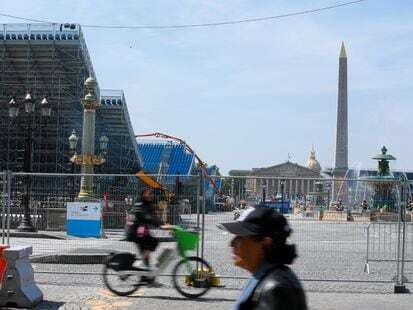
(281, 206)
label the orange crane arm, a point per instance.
(189, 149)
(153, 184)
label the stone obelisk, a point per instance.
(340, 189)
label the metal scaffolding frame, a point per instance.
(52, 60)
(112, 119)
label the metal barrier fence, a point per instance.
(332, 220)
(47, 196)
(382, 243)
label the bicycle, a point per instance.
(193, 270)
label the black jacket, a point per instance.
(140, 214)
(278, 289)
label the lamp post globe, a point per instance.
(128, 201)
(45, 107)
(29, 103)
(73, 139)
(103, 144)
(13, 108)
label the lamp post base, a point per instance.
(84, 195)
(26, 226)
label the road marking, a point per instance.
(107, 293)
(123, 304)
(94, 304)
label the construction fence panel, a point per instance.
(4, 208)
(331, 219)
(47, 196)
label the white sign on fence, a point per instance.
(84, 219)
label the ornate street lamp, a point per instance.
(30, 107)
(88, 159)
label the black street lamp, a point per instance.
(264, 187)
(72, 151)
(328, 188)
(30, 107)
(282, 182)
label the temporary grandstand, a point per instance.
(168, 161)
(166, 158)
(52, 60)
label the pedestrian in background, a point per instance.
(259, 246)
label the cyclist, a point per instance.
(141, 217)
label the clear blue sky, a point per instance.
(246, 95)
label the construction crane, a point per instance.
(154, 184)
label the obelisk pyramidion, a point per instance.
(341, 162)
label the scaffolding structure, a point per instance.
(112, 120)
(34, 60)
(52, 60)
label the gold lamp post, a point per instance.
(87, 159)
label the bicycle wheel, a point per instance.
(190, 277)
(118, 278)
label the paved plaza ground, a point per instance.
(95, 297)
(331, 262)
(327, 251)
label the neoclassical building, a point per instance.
(289, 177)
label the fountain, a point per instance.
(363, 198)
(383, 185)
(319, 197)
